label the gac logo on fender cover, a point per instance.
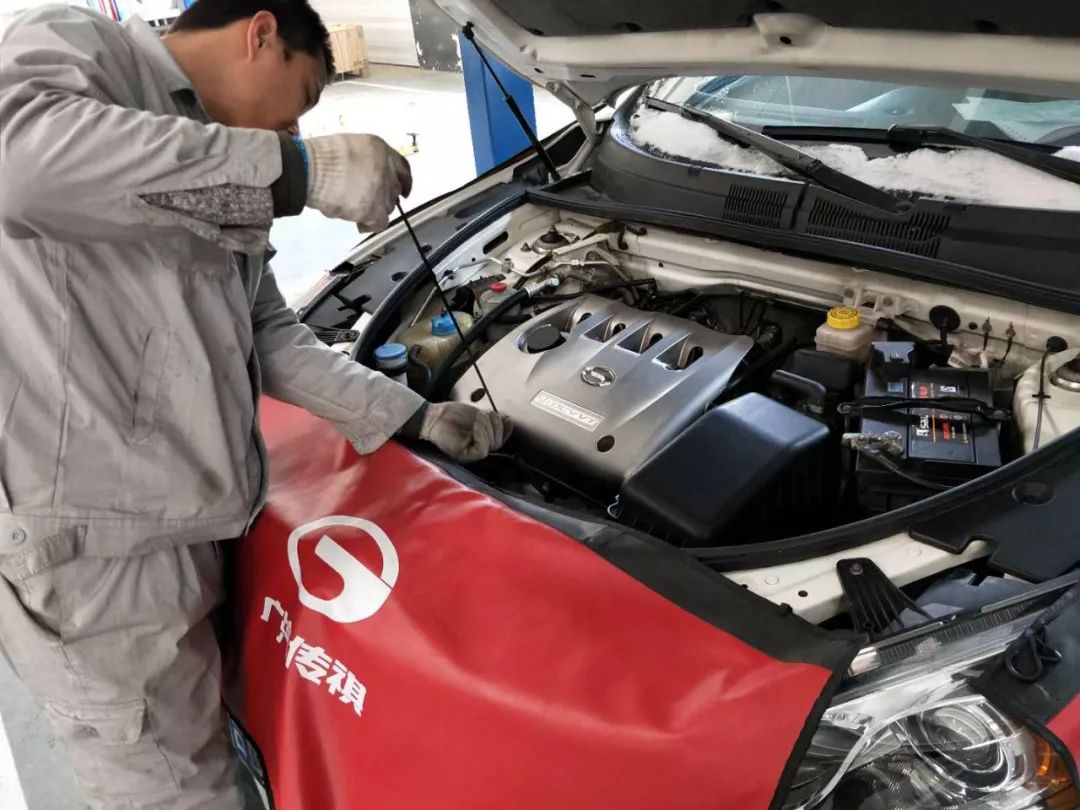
(365, 591)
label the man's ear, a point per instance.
(261, 33)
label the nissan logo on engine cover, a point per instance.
(598, 376)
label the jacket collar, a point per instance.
(176, 81)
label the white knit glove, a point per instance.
(464, 432)
(358, 178)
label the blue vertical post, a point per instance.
(496, 136)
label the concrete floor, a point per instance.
(393, 101)
(34, 770)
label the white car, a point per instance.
(788, 326)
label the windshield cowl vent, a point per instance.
(918, 232)
(747, 205)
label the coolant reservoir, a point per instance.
(436, 336)
(495, 294)
(490, 299)
(1061, 408)
(844, 333)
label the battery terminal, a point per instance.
(890, 441)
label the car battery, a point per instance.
(931, 444)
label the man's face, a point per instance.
(272, 86)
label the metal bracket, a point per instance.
(870, 597)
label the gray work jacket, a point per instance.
(135, 341)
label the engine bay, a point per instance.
(713, 394)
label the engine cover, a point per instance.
(617, 386)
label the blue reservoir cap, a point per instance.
(389, 352)
(442, 325)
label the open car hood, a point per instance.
(595, 48)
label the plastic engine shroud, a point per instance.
(620, 385)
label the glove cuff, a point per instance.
(414, 426)
(327, 166)
(289, 191)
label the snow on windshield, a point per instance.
(970, 175)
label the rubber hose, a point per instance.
(414, 359)
(471, 337)
(621, 285)
(757, 366)
(807, 388)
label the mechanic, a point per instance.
(138, 181)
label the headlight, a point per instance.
(907, 730)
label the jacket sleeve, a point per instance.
(79, 156)
(297, 368)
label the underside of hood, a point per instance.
(598, 47)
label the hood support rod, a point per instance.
(512, 105)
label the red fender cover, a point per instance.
(502, 664)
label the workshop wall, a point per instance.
(388, 27)
(436, 36)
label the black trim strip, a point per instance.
(714, 598)
(562, 144)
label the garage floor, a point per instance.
(391, 102)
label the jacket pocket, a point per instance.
(113, 749)
(44, 555)
(112, 723)
(31, 573)
(155, 353)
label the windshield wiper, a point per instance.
(789, 157)
(917, 136)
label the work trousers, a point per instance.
(122, 656)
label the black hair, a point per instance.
(298, 24)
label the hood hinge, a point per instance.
(586, 119)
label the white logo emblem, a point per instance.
(567, 410)
(364, 592)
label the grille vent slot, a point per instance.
(919, 234)
(747, 205)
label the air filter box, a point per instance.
(748, 470)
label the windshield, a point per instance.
(757, 101)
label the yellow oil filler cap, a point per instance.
(844, 318)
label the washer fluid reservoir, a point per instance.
(1061, 408)
(436, 336)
